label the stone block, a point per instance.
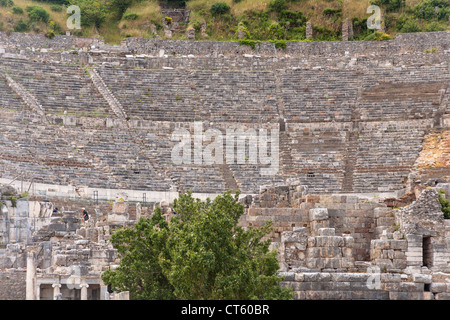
(317, 276)
(331, 241)
(299, 276)
(326, 231)
(60, 260)
(406, 295)
(379, 244)
(57, 227)
(347, 252)
(349, 277)
(438, 287)
(349, 241)
(287, 276)
(317, 214)
(421, 278)
(411, 287)
(442, 296)
(341, 285)
(330, 252)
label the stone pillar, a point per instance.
(138, 211)
(31, 273)
(154, 32)
(38, 292)
(346, 33)
(166, 27)
(350, 30)
(319, 219)
(242, 34)
(382, 25)
(309, 30)
(190, 33)
(104, 294)
(56, 290)
(203, 30)
(84, 294)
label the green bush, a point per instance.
(21, 26)
(295, 18)
(331, 12)
(278, 5)
(408, 25)
(435, 26)
(377, 36)
(130, 16)
(17, 10)
(36, 13)
(56, 8)
(432, 9)
(6, 3)
(219, 8)
(389, 5)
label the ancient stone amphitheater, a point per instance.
(363, 151)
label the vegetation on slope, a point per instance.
(276, 20)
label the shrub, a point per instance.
(377, 36)
(435, 26)
(409, 25)
(56, 8)
(219, 8)
(130, 16)
(390, 5)
(36, 13)
(278, 5)
(331, 12)
(295, 18)
(6, 3)
(21, 26)
(432, 9)
(17, 10)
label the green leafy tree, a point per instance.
(202, 253)
(139, 249)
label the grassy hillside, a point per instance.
(276, 20)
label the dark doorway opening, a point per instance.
(427, 252)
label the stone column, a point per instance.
(31, 273)
(84, 287)
(190, 33)
(104, 294)
(56, 290)
(38, 292)
(138, 211)
(345, 30)
(309, 30)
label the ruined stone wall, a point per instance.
(404, 42)
(12, 284)
(405, 251)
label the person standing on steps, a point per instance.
(85, 217)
